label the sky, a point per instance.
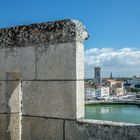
(113, 26)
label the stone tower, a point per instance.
(97, 75)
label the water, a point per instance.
(116, 113)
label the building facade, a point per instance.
(116, 88)
(89, 91)
(102, 92)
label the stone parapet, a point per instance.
(100, 130)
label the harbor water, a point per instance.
(113, 112)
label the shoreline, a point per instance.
(112, 102)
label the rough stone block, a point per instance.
(4, 122)
(60, 61)
(52, 99)
(3, 101)
(35, 128)
(73, 131)
(10, 92)
(9, 126)
(62, 31)
(92, 130)
(19, 61)
(5, 136)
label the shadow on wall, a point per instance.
(12, 116)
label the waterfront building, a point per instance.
(89, 91)
(97, 75)
(116, 88)
(102, 92)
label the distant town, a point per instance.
(112, 88)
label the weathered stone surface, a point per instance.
(4, 122)
(52, 98)
(63, 31)
(80, 103)
(9, 126)
(5, 136)
(56, 61)
(3, 102)
(10, 93)
(61, 61)
(96, 131)
(79, 60)
(75, 132)
(17, 62)
(34, 128)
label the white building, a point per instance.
(102, 92)
(89, 92)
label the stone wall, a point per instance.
(42, 85)
(100, 130)
(41, 79)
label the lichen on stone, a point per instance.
(62, 31)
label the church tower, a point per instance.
(97, 75)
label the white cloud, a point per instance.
(110, 59)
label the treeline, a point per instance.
(133, 90)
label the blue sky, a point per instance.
(111, 24)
